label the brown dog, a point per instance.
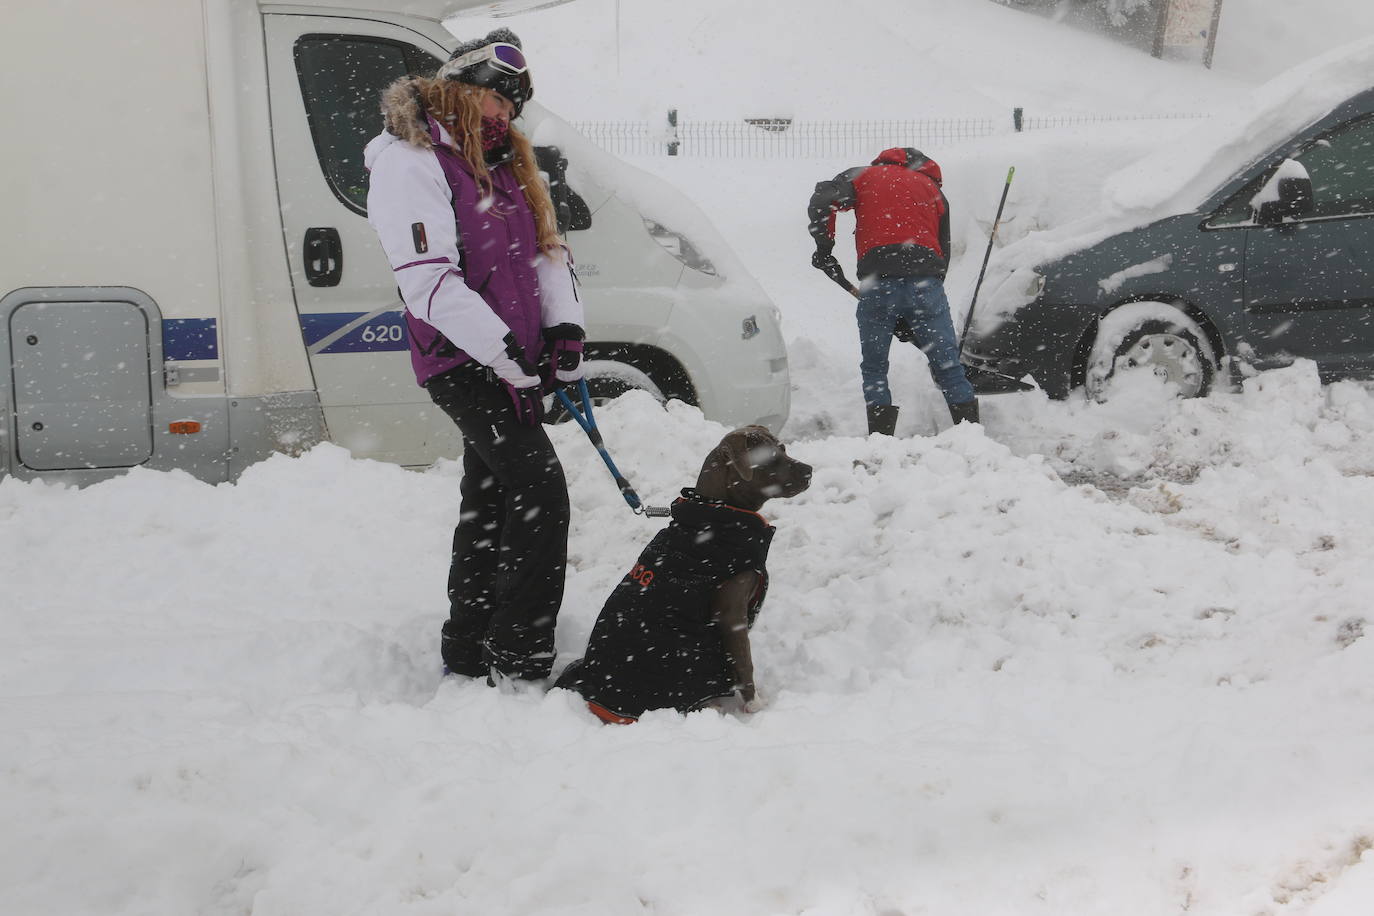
(675, 632)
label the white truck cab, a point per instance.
(187, 275)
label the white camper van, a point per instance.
(188, 279)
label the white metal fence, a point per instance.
(780, 138)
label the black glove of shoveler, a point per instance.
(824, 261)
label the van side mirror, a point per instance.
(1286, 195)
(569, 207)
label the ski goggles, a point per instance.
(499, 55)
(499, 66)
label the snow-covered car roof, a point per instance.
(1180, 177)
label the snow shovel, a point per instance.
(587, 420)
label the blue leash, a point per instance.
(587, 421)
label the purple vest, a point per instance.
(500, 247)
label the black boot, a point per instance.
(882, 418)
(461, 650)
(966, 412)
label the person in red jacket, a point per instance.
(901, 228)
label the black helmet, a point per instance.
(496, 63)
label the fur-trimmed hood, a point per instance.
(403, 114)
(404, 120)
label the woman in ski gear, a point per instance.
(494, 319)
(901, 224)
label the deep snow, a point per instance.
(717, 59)
(1088, 659)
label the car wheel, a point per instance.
(1150, 337)
(606, 381)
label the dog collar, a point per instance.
(691, 495)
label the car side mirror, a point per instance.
(1286, 195)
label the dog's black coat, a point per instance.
(656, 644)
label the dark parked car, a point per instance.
(1277, 265)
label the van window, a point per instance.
(1341, 166)
(342, 77)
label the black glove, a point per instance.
(529, 403)
(521, 381)
(824, 261)
(564, 349)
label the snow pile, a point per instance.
(991, 689)
(818, 59)
(822, 60)
(1142, 434)
(1258, 39)
(1185, 175)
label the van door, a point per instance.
(326, 75)
(82, 389)
(1309, 284)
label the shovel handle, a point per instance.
(838, 276)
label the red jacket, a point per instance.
(901, 216)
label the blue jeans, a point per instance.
(921, 301)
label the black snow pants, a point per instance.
(510, 547)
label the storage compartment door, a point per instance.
(82, 392)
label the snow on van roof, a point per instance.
(1181, 175)
(437, 10)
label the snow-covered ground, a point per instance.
(1086, 659)
(996, 683)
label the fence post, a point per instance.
(1018, 120)
(1161, 26)
(672, 132)
(1212, 35)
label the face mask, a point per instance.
(495, 132)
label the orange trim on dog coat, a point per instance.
(605, 715)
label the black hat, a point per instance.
(496, 63)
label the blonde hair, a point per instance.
(458, 106)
